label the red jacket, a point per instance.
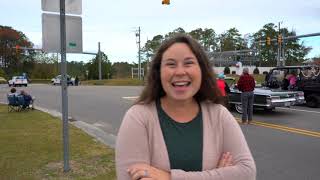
(221, 84)
(246, 83)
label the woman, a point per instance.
(224, 89)
(177, 129)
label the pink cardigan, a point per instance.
(140, 140)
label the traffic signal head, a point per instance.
(279, 39)
(167, 2)
(17, 49)
(268, 41)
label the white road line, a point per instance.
(131, 97)
(292, 109)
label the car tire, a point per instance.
(269, 110)
(312, 101)
(238, 108)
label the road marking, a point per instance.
(131, 97)
(292, 109)
(285, 128)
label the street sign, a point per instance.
(72, 6)
(51, 33)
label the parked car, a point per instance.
(18, 81)
(264, 97)
(308, 81)
(57, 80)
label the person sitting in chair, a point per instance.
(12, 97)
(28, 99)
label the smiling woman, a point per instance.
(178, 129)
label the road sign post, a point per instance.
(68, 43)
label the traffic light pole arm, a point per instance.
(288, 38)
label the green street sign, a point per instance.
(72, 44)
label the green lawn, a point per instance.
(257, 77)
(31, 148)
(114, 82)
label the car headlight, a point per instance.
(272, 98)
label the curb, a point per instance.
(95, 132)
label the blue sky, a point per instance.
(113, 23)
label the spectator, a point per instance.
(13, 92)
(292, 78)
(178, 129)
(28, 99)
(246, 85)
(76, 81)
(224, 89)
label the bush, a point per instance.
(2, 73)
(226, 70)
(256, 71)
(233, 72)
(3, 81)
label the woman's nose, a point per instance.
(180, 70)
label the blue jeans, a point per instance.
(247, 105)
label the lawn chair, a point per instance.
(14, 103)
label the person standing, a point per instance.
(76, 81)
(224, 89)
(246, 85)
(178, 129)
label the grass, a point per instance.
(31, 148)
(114, 82)
(258, 77)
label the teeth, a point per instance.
(180, 83)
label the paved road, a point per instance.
(280, 152)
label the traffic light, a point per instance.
(268, 41)
(17, 49)
(167, 2)
(279, 39)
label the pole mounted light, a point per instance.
(280, 39)
(268, 41)
(17, 49)
(165, 2)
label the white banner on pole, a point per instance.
(51, 33)
(72, 6)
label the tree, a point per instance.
(231, 40)
(122, 69)
(179, 30)
(13, 60)
(226, 70)
(294, 52)
(151, 47)
(207, 38)
(93, 67)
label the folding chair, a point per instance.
(13, 103)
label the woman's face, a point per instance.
(180, 72)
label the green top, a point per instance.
(184, 141)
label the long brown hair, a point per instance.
(208, 89)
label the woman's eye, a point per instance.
(189, 62)
(170, 64)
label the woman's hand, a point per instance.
(147, 172)
(225, 160)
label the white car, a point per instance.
(18, 81)
(57, 80)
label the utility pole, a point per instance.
(283, 46)
(279, 63)
(64, 88)
(139, 53)
(99, 57)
